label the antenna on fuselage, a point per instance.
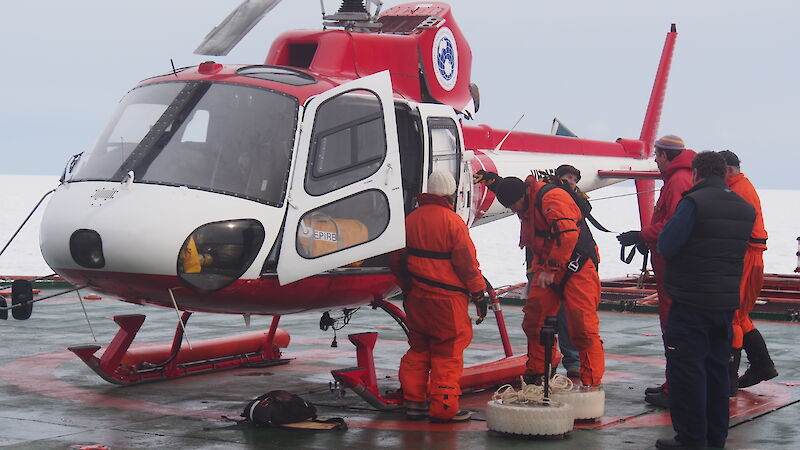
(500, 144)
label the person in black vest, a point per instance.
(704, 244)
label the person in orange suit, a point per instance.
(745, 334)
(563, 269)
(439, 277)
(674, 162)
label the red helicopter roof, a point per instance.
(297, 83)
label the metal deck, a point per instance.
(49, 399)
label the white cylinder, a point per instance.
(530, 419)
(587, 402)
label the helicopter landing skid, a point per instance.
(122, 365)
(363, 381)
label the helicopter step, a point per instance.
(123, 365)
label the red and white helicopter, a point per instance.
(280, 187)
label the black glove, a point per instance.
(630, 238)
(481, 305)
(489, 178)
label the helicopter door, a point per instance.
(345, 202)
(444, 149)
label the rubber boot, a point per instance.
(761, 366)
(444, 403)
(417, 410)
(531, 377)
(733, 370)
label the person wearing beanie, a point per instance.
(571, 172)
(569, 176)
(704, 244)
(562, 268)
(441, 183)
(674, 162)
(745, 334)
(439, 273)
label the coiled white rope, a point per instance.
(528, 412)
(531, 393)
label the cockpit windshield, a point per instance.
(213, 136)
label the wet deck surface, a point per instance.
(50, 399)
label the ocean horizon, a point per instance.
(497, 242)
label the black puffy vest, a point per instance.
(707, 272)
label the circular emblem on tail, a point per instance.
(445, 58)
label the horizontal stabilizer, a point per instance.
(559, 129)
(630, 174)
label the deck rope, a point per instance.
(531, 393)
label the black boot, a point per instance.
(534, 378)
(733, 370)
(761, 366)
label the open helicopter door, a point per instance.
(346, 197)
(444, 145)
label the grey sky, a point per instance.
(733, 82)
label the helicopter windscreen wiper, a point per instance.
(229, 32)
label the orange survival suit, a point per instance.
(441, 271)
(753, 274)
(551, 231)
(677, 179)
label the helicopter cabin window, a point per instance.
(219, 137)
(348, 142)
(444, 145)
(133, 119)
(197, 127)
(343, 224)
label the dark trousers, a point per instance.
(698, 345)
(571, 360)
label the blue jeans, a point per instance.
(571, 360)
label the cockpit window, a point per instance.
(214, 136)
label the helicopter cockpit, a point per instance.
(219, 137)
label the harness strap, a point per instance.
(439, 284)
(629, 258)
(758, 241)
(430, 254)
(574, 266)
(597, 224)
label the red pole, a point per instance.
(501, 321)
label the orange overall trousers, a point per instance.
(582, 297)
(439, 331)
(752, 280)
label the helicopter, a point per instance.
(281, 187)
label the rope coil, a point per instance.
(531, 393)
(527, 412)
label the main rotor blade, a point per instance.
(230, 31)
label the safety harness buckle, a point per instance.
(575, 264)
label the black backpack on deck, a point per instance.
(278, 408)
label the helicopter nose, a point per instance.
(86, 248)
